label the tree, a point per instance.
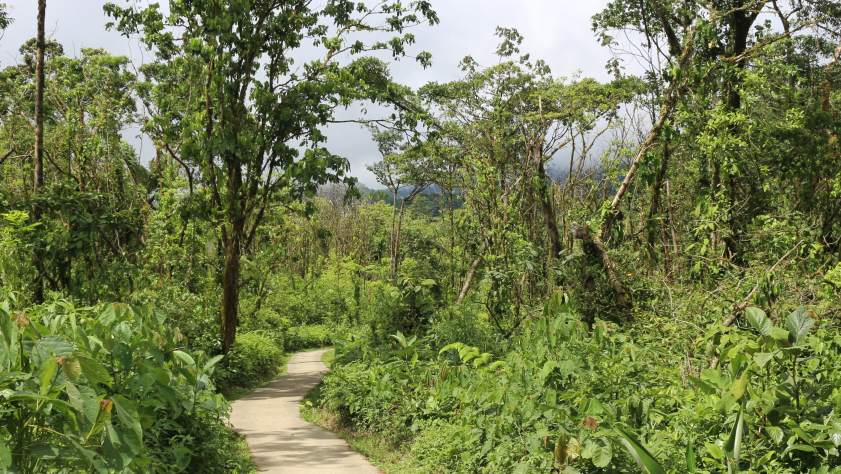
(505, 122)
(688, 46)
(5, 19)
(229, 105)
(94, 190)
(38, 156)
(404, 171)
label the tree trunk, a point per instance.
(468, 279)
(395, 261)
(233, 234)
(740, 22)
(656, 192)
(392, 241)
(595, 249)
(38, 165)
(549, 217)
(230, 292)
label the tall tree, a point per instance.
(230, 105)
(38, 156)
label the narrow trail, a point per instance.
(279, 439)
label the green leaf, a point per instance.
(641, 455)
(602, 455)
(83, 400)
(5, 456)
(212, 362)
(775, 433)
(715, 451)
(128, 417)
(589, 448)
(799, 323)
(46, 374)
(94, 371)
(762, 358)
(452, 346)
(185, 358)
(691, 462)
(779, 334)
(739, 386)
(733, 447)
(758, 320)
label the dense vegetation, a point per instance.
(558, 274)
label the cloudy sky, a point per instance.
(558, 31)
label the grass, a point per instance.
(379, 450)
(328, 357)
(242, 455)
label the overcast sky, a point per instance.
(558, 31)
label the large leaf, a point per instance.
(602, 455)
(185, 358)
(83, 399)
(799, 323)
(775, 433)
(130, 420)
(758, 320)
(212, 362)
(733, 447)
(47, 373)
(641, 455)
(94, 371)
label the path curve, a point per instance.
(279, 439)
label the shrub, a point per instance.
(567, 397)
(446, 447)
(375, 397)
(254, 358)
(195, 315)
(306, 337)
(105, 389)
(463, 323)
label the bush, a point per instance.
(106, 389)
(446, 447)
(254, 358)
(307, 337)
(374, 397)
(195, 315)
(464, 324)
(565, 396)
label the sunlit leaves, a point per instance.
(758, 320)
(106, 389)
(799, 323)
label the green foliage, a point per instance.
(466, 324)
(308, 337)
(15, 250)
(446, 294)
(106, 389)
(254, 358)
(563, 397)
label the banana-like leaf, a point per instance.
(733, 448)
(640, 453)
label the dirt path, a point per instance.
(282, 442)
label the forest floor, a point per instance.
(279, 439)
